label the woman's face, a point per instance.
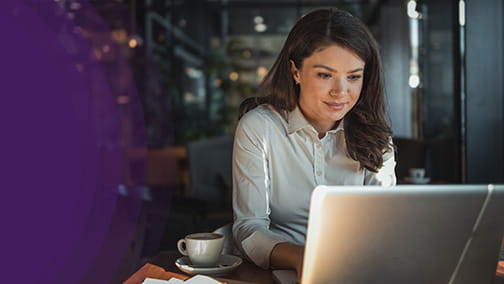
(330, 82)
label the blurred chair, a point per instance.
(210, 178)
(411, 153)
(210, 168)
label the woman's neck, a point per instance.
(323, 129)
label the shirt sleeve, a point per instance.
(386, 174)
(250, 191)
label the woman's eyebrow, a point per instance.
(325, 67)
(356, 70)
(334, 70)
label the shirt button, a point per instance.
(319, 146)
(319, 173)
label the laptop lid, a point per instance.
(404, 234)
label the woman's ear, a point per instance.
(294, 72)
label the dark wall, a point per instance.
(485, 90)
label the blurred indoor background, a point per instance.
(193, 62)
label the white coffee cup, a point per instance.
(417, 173)
(203, 249)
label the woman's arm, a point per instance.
(251, 226)
(287, 255)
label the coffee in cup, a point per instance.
(203, 249)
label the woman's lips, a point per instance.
(335, 106)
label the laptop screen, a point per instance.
(404, 234)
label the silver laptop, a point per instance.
(403, 234)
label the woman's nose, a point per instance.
(338, 88)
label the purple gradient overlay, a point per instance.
(72, 129)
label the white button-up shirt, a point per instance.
(277, 161)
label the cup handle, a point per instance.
(182, 246)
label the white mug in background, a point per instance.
(203, 249)
(417, 173)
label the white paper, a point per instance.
(158, 281)
(202, 279)
(198, 279)
(175, 281)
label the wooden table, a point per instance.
(163, 267)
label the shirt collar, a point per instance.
(297, 121)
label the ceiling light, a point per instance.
(260, 28)
(414, 81)
(258, 19)
(412, 13)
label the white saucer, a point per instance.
(423, 180)
(225, 265)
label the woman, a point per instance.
(322, 123)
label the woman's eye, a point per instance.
(354, 77)
(324, 75)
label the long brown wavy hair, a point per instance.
(367, 132)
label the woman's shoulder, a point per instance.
(263, 115)
(263, 119)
